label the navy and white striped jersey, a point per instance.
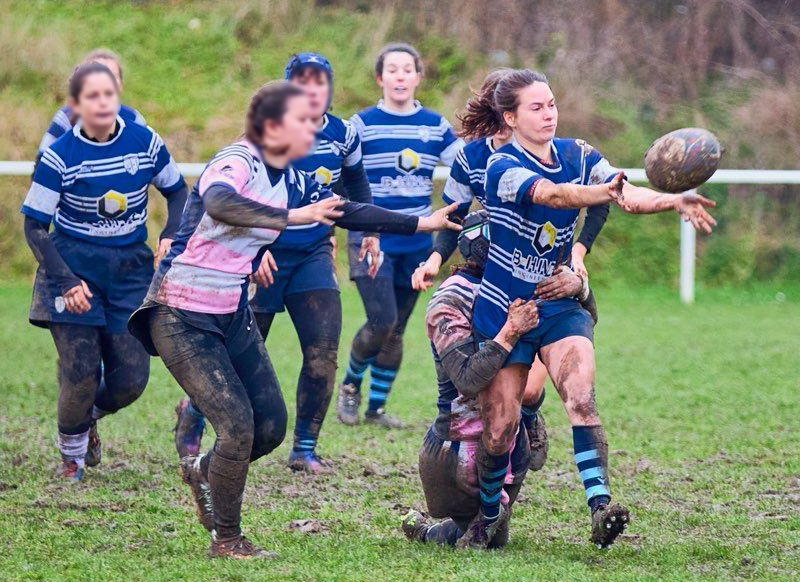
(98, 191)
(337, 146)
(529, 239)
(400, 152)
(62, 123)
(467, 177)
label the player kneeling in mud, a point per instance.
(452, 448)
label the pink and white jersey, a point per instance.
(208, 266)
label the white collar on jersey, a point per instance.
(490, 145)
(325, 121)
(382, 107)
(531, 157)
(76, 130)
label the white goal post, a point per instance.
(688, 235)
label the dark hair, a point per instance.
(397, 47)
(469, 267)
(82, 72)
(506, 94)
(268, 104)
(480, 119)
(104, 54)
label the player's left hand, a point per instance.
(163, 248)
(562, 283)
(615, 189)
(263, 275)
(692, 207)
(439, 220)
(578, 266)
(371, 245)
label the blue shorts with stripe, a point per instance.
(118, 278)
(298, 271)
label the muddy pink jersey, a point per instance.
(207, 270)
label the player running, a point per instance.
(196, 315)
(401, 142)
(92, 185)
(535, 187)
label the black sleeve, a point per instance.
(368, 217)
(46, 253)
(470, 369)
(595, 219)
(225, 205)
(356, 185)
(175, 203)
(447, 240)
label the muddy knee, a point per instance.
(268, 436)
(581, 407)
(319, 360)
(498, 439)
(235, 437)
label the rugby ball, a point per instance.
(682, 159)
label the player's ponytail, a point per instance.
(506, 94)
(268, 104)
(480, 118)
(83, 72)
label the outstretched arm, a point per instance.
(692, 207)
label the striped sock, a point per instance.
(356, 369)
(305, 437)
(529, 412)
(591, 457)
(491, 476)
(380, 386)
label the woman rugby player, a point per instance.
(534, 188)
(401, 142)
(92, 184)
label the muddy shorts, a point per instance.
(298, 272)
(118, 278)
(449, 475)
(398, 267)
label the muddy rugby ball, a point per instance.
(682, 159)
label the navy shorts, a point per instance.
(118, 278)
(298, 271)
(396, 266)
(573, 322)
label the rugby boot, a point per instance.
(188, 429)
(309, 462)
(69, 470)
(347, 404)
(608, 521)
(415, 525)
(480, 533)
(239, 548)
(94, 451)
(201, 491)
(537, 437)
(380, 418)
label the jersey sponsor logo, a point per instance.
(407, 160)
(131, 163)
(112, 204)
(323, 176)
(545, 238)
(424, 133)
(529, 267)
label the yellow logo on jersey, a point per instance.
(407, 160)
(112, 204)
(545, 237)
(323, 176)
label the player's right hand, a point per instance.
(423, 276)
(263, 275)
(76, 300)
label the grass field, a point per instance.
(700, 404)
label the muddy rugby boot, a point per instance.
(415, 525)
(94, 451)
(537, 437)
(309, 462)
(239, 548)
(201, 491)
(69, 470)
(481, 534)
(380, 418)
(608, 521)
(347, 404)
(188, 429)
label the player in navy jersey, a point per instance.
(535, 187)
(298, 273)
(92, 185)
(402, 142)
(65, 117)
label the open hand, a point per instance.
(263, 275)
(692, 207)
(439, 220)
(564, 282)
(423, 275)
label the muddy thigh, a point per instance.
(570, 363)
(501, 406)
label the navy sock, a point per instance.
(380, 386)
(305, 437)
(491, 477)
(355, 370)
(591, 457)
(529, 412)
